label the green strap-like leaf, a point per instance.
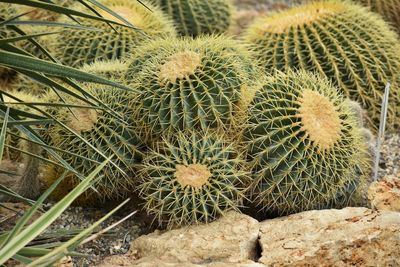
(28, 215)
(43, 261)
(3, 133)
(19, 38)
(15, 60)
(59, 9)
(37, 227)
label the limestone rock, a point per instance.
(232, 239)
(117, 261)
(385, 194)
(229, 241)
(347, 237)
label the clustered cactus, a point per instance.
(351, 46)
(209, 125)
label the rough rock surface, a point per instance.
(385, 194)
(347, 237)
(116, 261)
(231, 239)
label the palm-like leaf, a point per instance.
(14, 244)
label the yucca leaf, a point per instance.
(103, 7)
(8, 192)
(37, 227)
(32, 135)
(3, 133)
(30, 122)
(22, 259)
(15, 39)
(51, 24)
(15, 60)
(59, 9)
(28, 215)
(57, 253)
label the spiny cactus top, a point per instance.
(304, 143)
(188, 83)
(353, 47)
(196, 17)
(388, 9)
(111, 130)
(192, 177)
(75, 47)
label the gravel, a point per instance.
(115, 242)
(389, 163)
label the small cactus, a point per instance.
(304, 143)
(192, 177)
(186, 83)
(351, 46)
(76, 47)
(196, 17)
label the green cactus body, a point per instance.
(188, 83)
(111, 131)
(192, 177)
(304, 143)
(388, 9)
(351, 46)
(76, 47)
(196, 17)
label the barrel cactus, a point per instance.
(351, 46)
(196, 17)
(111, 131)
(75, 47)
(186, 83)
(192, 177)
(304, 143)
(388, 9)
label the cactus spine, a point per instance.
(351, 46)
(192, 177)
(77, 47)
(188, 83)
(196, 17)
(112, 131)
(304, 143)
(388, 9)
